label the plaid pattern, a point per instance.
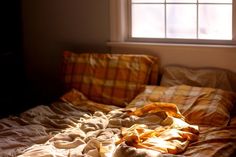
(76, 98)
(214, 142)
(201, 106)
(108, 78)
(153, 78)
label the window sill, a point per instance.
(133, 44)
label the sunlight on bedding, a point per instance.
(101, 135)
(78, 127)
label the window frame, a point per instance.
(121, 28)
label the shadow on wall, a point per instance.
(81, 48)
(45, 78)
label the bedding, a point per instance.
(201, 106)
(201, 77)
(77, 126)
(96, 135)
(113, 108)
(109, 78)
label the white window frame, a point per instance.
(120, 27)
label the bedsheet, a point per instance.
(65, 129)
(36, 126)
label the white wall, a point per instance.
(223, 57)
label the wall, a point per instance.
(196, 56)
(51, 26)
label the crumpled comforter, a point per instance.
(62, 129)
(155, 127)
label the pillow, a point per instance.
(113, 79)
(208, 77)
(76, 98)
(200, 106)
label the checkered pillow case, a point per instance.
(76, 98)
(201, 106)
(113, 79)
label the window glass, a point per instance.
(148, 20)
(148, 1)
(215, 21)
(181, 21)
(185, 19)
(181, 1)
(215, 1)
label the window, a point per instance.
(188, 20)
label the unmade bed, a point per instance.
(113, 107)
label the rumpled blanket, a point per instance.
(156, 126)
(158, 129)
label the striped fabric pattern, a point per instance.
(113, 79)
(201, 106)
(214, 142)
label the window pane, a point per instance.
(215, 1)
(148, 1)
(181, 20)
(215, 21)
(148, 20)
(181, 1)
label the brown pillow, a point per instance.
(113, 79)
(204, 77)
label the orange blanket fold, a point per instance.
(172, 135)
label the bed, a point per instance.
(113, 107)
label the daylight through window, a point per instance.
(182, 19)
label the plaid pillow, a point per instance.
(113, 79)
(201, 106)
(76, 98)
